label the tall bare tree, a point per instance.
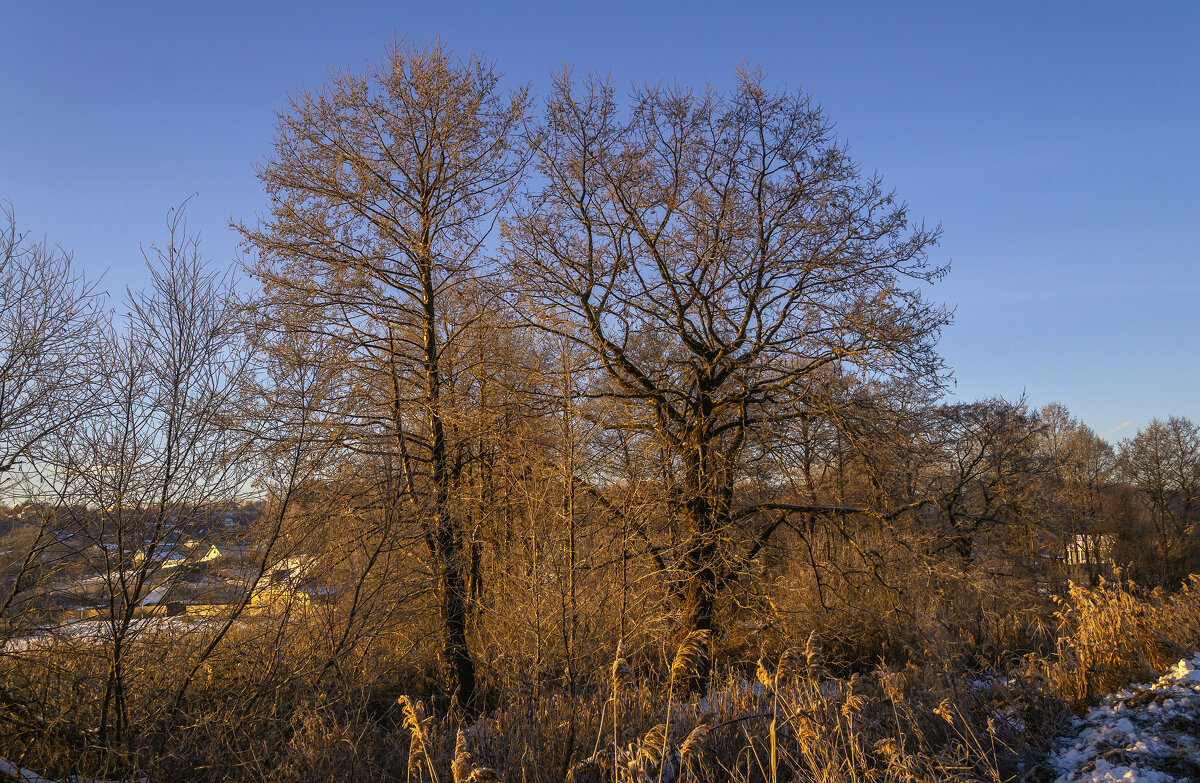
(384, 187)
(719, 250)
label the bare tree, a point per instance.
(984, 479)
(1081, 466)
(718, 250)
(383, 190)
(141, 471)
(48, 316)
(1163, 463)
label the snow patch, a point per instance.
(1148, 733)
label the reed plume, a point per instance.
(693, 744)
(460, 768)
(690, 654)
(418, 744)
(790, 667)
(763, 675)
(464, 768)
(622, 674)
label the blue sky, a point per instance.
(1056, 143)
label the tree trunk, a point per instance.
(700, 590)
(458, 667)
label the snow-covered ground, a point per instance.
(1148, 733)
(99, 631)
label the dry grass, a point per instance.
(1116, 633)
(799, 714)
